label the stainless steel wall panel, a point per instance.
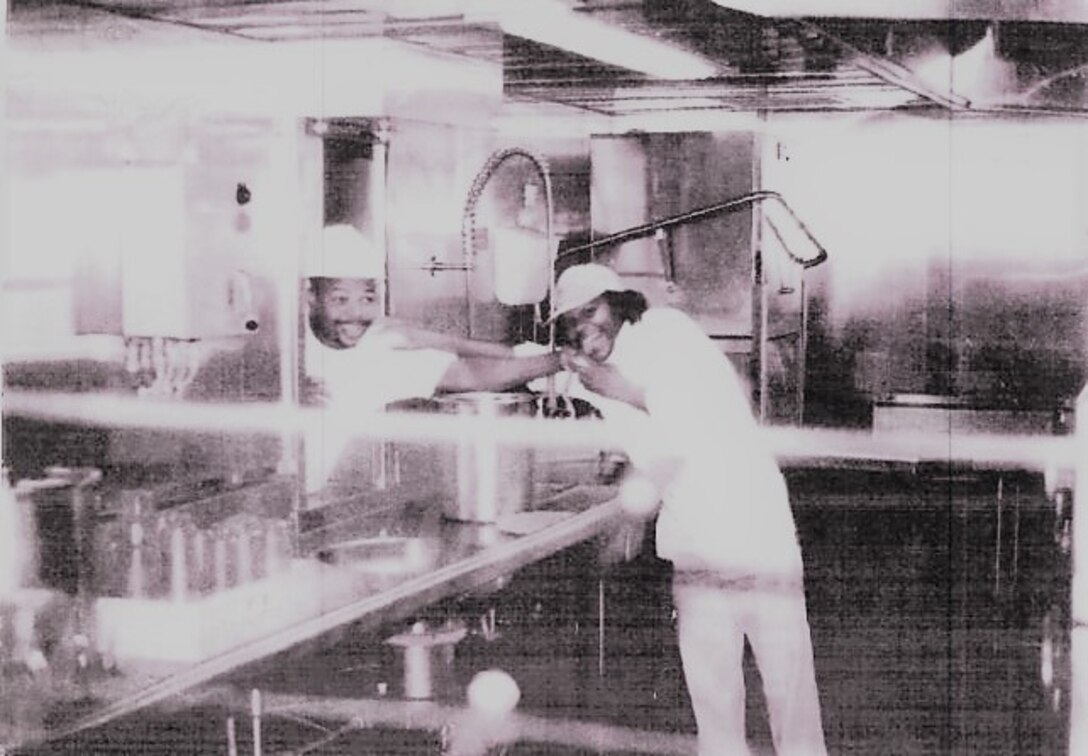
(430, 167)
(643, 177)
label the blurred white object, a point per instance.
(18, 541)
(977, 73)
(638, 496)
(343, 252)
(493, 692)
(11, 558)
(521, 262)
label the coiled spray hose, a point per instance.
(468, 227)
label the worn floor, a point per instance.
(927, 594)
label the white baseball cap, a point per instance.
(343, 252)
(580, 284)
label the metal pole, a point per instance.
(289, 166)
(802, 356)
(377, 187)
(232, 738)
(289, 274)
(600, 627)
(764, 342)
(1078, 668)
(255, 713)
(997, 537)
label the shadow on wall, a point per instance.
(831, 395)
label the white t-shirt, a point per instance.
(380, 369)
(726, 508)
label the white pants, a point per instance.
(713, 622)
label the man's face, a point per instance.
(592, 328)
(341, 309)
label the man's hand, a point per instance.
(602, 379)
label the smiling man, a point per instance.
(724, 521)
(358, 361)
(342, 309)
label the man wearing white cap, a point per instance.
(358, 361)
(724, 520)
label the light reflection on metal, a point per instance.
(983, 450)
(553, 23)
(893, 73)
(160, 366)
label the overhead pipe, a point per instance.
(728, 206)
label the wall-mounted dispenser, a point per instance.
(521, 262)
(184, 258)
(179, 271)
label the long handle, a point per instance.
(728, 206)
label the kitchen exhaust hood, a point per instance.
(1003, 56)
(1068, 11)
(726, 55)
(990, 53)
(962, 55)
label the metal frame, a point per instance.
(1078, 669)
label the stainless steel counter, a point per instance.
(351, 575)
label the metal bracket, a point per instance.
(434, 266)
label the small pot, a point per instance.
(484, 480)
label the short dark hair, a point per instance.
(318, 285)
(628, 305)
